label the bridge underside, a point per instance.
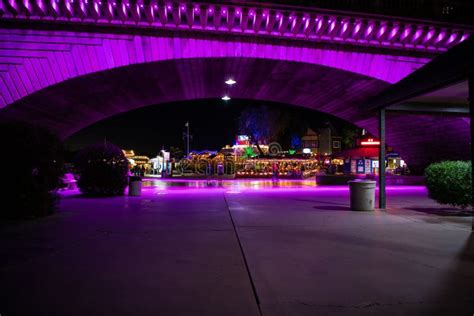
(74, 104)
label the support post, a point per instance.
(471, 116)
(382, 197)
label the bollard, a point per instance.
(135, 186)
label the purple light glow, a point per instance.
(332, 26)
(117, 51)
(247, 186)
(390, 70)
(394, 32)
(440, 36)
(451, 38)
(417, 35)
(369, 30)
(428, 36)
(406, 32)
(357, 28)
(381, 31)
(345, 26)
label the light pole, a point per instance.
(187, 138)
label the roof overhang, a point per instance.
(441, 86)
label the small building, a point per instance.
(310, 141)
(324, 142)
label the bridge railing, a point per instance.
(453, 11)
(279, 22)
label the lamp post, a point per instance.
(187, 138)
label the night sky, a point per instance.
(213, 124)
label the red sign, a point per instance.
(369, 142)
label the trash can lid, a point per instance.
(362, 181)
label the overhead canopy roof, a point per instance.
(440, 85)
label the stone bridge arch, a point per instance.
(33, 60)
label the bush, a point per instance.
(449, 182)
(103, 170)
(32, 162)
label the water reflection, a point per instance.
(240, 184)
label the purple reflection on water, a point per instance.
(153, 187)
(269, 187)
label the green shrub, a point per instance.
(103, 170)
(449, 182)
(32, 162)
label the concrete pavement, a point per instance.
(218, 252)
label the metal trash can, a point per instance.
(135, 186)
(362, 195)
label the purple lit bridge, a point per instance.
(66, 64)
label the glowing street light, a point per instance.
(231, 82)
(225, 98)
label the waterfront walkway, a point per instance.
(231, 251)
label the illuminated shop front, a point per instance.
(364, 159)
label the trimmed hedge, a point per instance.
(103, 170)
(32, 166)
(449, 182)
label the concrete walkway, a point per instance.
(282, 252)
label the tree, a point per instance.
(32, 161)
(262, 123)
(176, 152)
(349, 136)
(103, 170)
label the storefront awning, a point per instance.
(372, 152)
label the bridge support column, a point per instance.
(471, 116)
(382, 196)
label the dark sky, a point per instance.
(213, 124)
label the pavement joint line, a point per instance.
(254, 289)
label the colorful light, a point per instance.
(230, 81)
(225, 98)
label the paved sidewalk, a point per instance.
(178, 254)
